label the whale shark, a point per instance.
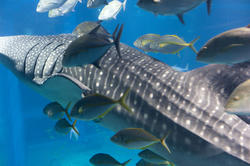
(187, 105)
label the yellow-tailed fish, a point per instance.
(96, 106)
(238, 102)
(102, 159)
(137, 138)
(64, 127)
(152, 157)
(172, 44)
(56, 111)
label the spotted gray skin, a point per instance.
(189, 105)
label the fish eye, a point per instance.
(236, 98)
(80, 110)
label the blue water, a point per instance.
(26, 135)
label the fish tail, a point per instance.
(124, 5)
(125, 163)
(67, 110)
(117, 38)
(164, 143)
(191, 44)
(122, 101)
(74, 127)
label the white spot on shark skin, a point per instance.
(127, 77)
(133, 67)
(221, 127)
(111, 85)
(97, 84)
(145, 116)
(137, 90)
(121, 94)
(158, 107)
(140, 84)
(151, 95)
(157, 84)
(188, 122)
(107, 92)
(169, 108)
(228, 149)
(216, 139)
(101, 73)
(80, 78)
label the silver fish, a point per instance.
(111, 10)
(56, 111)
(171, 7)
(102, 159)
(137, 138)
(229, 47)
(46, 5)
(96, 3)
(172, 44)
(67, 7)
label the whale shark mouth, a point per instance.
(189, 104)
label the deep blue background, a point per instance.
(26, 135)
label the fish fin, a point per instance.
(191, 44)
(180, 17)
(66, 110)
(74, 128)
(209, 4)
(164, 143)
(75, 81)
(125, 163)
(124, 5)
(94, 31)
(73, 134)
(117, 38)
(122, 101)
(105, 113)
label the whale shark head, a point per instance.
(36, 60)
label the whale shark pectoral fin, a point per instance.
(82, 86)
(59, 86)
